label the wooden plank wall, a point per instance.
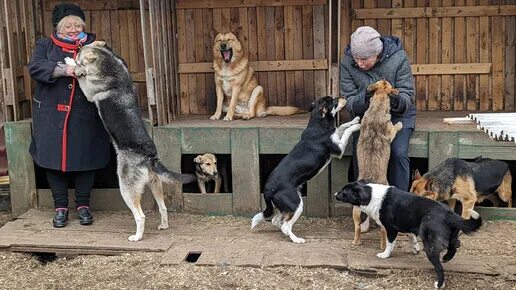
(118, 23)
(480, 33)
(18, 29)
(287, 43)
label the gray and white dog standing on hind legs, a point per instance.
(320, 141)
(105, 81)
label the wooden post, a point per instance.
(21, 167)
(318, 196)
(168, 143)
(246, 171)
(442, 145)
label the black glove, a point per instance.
(395, 104)
(368, 95)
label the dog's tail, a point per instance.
(170, 176)
(283, 111)
(467, 226)
(265, 215)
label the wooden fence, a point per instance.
(287, 43)
(440, 35)
(462, 51)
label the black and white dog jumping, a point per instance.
(402, 212)
(320, 141)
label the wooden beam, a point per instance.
(261, 66)
(98, 5)
(451, 68)
(203, 4)
(427, 12)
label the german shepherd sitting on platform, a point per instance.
(237, 89)
(469, 182)
(106, 81)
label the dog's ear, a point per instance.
(213, 33)
(372, 87)
(198, 159)
(98, 43)
(311, 106)
(416, 175)
(89, 57)
(237, 31)
(428, 185)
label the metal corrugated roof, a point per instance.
(499, 126)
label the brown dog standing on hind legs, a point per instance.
(374, 145)
(237, 89)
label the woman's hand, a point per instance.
(70, 71)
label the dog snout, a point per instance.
(215, 172)
(223, 46)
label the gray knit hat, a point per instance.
(365, 42)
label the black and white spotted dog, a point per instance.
(320, 141)
(402, 212)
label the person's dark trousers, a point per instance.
(398, 173)
(58, 182)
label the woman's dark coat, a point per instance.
(68, 134)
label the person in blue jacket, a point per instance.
(369, 58)
(69, 140)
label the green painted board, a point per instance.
(441, 145)
(278, 140)
(339, 177)
(318, 195)
(168, 144)
(246, 171)
(21, 167)
(206, 140)
(211, 204)
(418, 145)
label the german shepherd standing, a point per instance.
(374, 144)
(469, 182)
(105, 81)
(238, 92)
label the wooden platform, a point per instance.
(229, 241)
(246, 142)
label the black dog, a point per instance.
(319, 142)
(400, 211)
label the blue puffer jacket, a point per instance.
(392, 66)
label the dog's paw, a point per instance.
(383, 255)
(298, 240)
(357, 242)
(356, 120)
(98, 43)
(70, 61)
(416, 248)
(228, 118)
(163, 227)
(215, 116)
(134, 238)
(354, 128)
(246, 116)
(436, 285)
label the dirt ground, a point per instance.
(145, 270)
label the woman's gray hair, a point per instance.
(77, 18)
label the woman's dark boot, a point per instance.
(85, 216)
(60, 217)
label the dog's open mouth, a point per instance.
(227, 54)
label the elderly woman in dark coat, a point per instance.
(69, 140)
(368, 59)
